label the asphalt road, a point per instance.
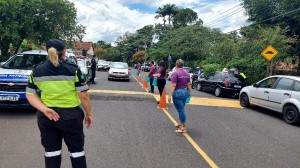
(129, 131)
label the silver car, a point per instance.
(278, 93)
(103, 65)
(119, 70)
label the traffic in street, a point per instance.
(128, 130)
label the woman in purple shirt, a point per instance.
(181, 90)
(150, 75)
(161, 77)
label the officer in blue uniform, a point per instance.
(57, 89)
(93, 68)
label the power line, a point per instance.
(292, 11)
(224, 12)
(219, 23)
(224, 17)
(103, 13)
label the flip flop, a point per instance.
(180, 131)
(178, 125)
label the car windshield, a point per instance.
(187, 70)
(81, 63)
(26, 61)
(70, 60)
(233, 77)
(120, 65)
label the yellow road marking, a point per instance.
(186, 135)
(140, 84)
(209, 102)
(117, 92)
(194, 144)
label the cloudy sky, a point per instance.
(107, 19)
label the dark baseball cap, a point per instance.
(55, 43)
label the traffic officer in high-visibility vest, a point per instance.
(57, 89)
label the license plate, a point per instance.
(237, 86)
(9, 97)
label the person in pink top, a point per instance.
(150, 75)
(180, 90)
(160, 74)
(139, 67)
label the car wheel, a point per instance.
(218, 92)
(291, 115)
(244, 100)
(109, 79)
(199, 86)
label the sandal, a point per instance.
(178, 125)
(180, 130)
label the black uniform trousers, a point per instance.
(93, 75)
(161, 85)
(52, 133)
(151, 86)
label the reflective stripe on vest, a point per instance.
(52, 154)
(58, 91)
(77, 154)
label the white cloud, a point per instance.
(107, 19)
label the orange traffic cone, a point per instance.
(163, 100)
(145, 84)
(139, 79)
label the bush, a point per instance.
(211, 68)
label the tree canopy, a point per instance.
(37, 21)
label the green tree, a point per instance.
(169, 10)
(161, 13)
(185, 17)
(284, 13)
(38, 21)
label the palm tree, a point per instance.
(161, 13)
(171, 10)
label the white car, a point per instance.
(119, 70)
(14, 75)
(70, 58)
(278, 93)
(187, 69)
(85, 69)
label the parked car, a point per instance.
(109, 63)
(278, 93)
(145, 67)
(221, 83)
(14, 74)
(85, 69)
(187, 69)
(71, 58)
(119, 70)
(102, 65)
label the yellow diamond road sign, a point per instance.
(269, 53)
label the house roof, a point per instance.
(83, 45)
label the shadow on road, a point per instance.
(268, 112)
(16, 112)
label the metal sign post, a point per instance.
(169, 60)
(269, 53)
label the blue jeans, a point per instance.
(179, 98)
